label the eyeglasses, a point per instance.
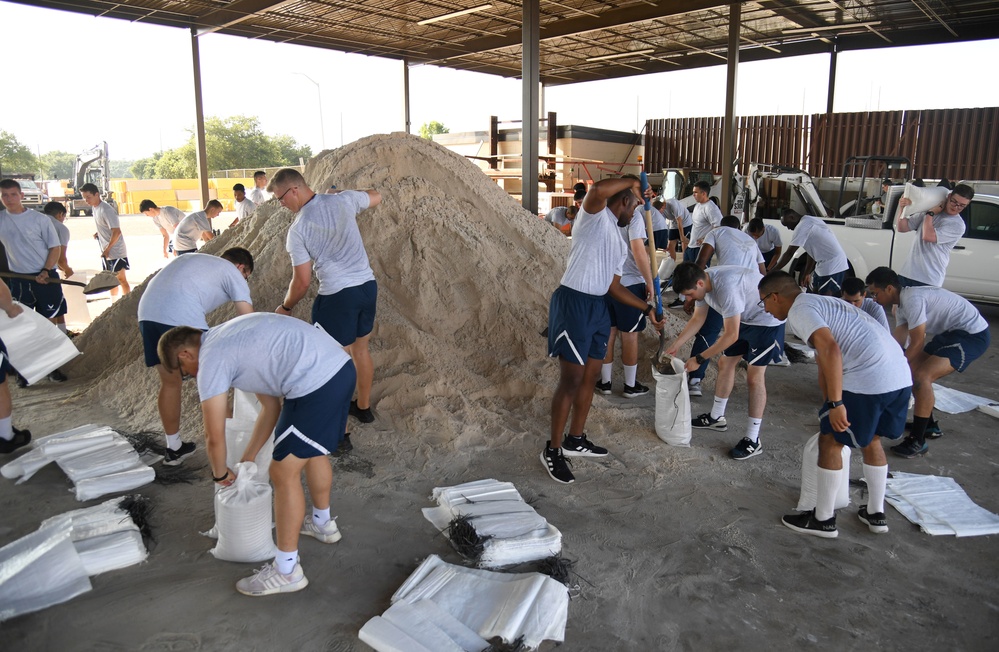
(762, 303)
(959, 205)
(180, 368)
(281, 198)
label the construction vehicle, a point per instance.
(92, 166)
(34, 197)
(678, 183)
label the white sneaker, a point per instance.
(327, 533)
(694, 389)
(268, 580)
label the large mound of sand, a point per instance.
(464, 274)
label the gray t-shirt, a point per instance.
(874, 309)
(706, 217)
(325, 232)
(873, 363)
(27, 237)
(630, 273)
(258, 195)
(941, 310)
(106, 218)
(169, 218)
(734, 292)
(189, 230)
(675, 212)
(62, 231)
(596, 254)
(818, 241)
(928, 261)
(733, 247)
(769, 240)
(189, 287)
(244, 209)
(658, 221)
(268, 354)
(557, 216)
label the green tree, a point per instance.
(58, 165)
(428, 129)
(121, 169)
(15, 156)
(290, 151)
(176, 163)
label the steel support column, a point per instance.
(531, 36)
(831, 93)
(199, 121)
(731, 85)
(405, 96)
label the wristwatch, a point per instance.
(699, 359)
(648, 309)
(834, 404)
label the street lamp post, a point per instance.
(319, 94)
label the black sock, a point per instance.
(918, 431)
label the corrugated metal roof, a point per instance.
(581, 40)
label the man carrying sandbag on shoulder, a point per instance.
(275, 358)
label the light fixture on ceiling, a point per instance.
(621, 55)
(454, 14)
(832, 28)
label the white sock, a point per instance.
(173, 441)
(877, 478)
(285, 561)
(630, 374)
(753, 429)
(718, 409)
(606, 371)
(825, 503)
(320, 516)
(6, 429)
(62, 327)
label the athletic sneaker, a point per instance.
(556, 464)
(603, 388)
(932, 430)
(806, 523)
(581, 447)
(57, 376)
(677, 303)
(746, 448)
(705, 421)
(344, 447)
(694, 389)
(20, 438)
(175, 457)
(910, 448)
(636, 390)
(876, 523)
(22, 382)
(267, 581)
(364, 416)
(327, 533)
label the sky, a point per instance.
(131, 84)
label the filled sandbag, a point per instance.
(923, 199)
(673, 405)
(243, 518)
(810, 477)
(35, 346)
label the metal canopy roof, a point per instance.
(581, 40)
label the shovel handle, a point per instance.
(29, 277)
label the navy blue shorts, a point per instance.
(47, 300)
(578, 326)
(960, 347)
(661, 238)
(758, 345)
(907, 282)
(674, 234)
(830, 286)
(690, 254)
(348, 314)
(5, 367)
(115, 264)
(623, 317)
(869, 415)
(314, 424)
(151, 332)
(768, 256)
(186, 251)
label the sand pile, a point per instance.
(464, 274)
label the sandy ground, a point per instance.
(676, 548)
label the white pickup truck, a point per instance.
(872, 241)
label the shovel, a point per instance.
(101, 282)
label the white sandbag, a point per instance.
(538, 544)
(673, 405)
(25, 466)
(938, 505)
(923, 199)
(46, 449)
(133, 478)
(666, 269)
(237, 436)
(810, 477)
(36, 347)
(475, 491)
(102, 459)
(40, 570)
(111, 551)
(98, 520)
(419, 627)
(243, 518)
(245, 406)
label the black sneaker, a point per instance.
(20, 438)
(876, 523)
(705, 421)
(581, 447)
(22, 382)
(677, 303)
(57, 377)
(746, 448)
(806, 523)
(910, 448)
(175, 457)
(344, 447)
(636, 390)
(556, 465)
(603, 388)
(364, 416)
(933, 430)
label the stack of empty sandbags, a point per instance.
(489, 523)
(443, 607)
(108, 536)
(97, 459)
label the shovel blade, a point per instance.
(101, 282)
